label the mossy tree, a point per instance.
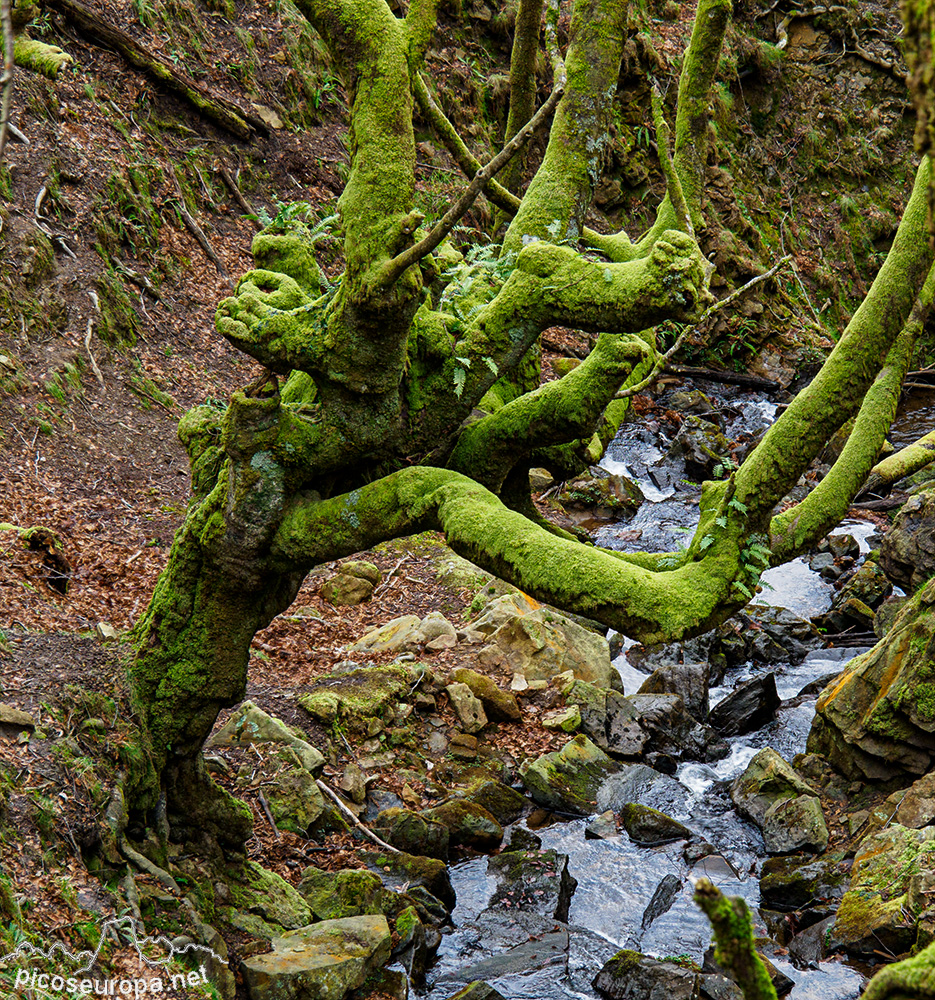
(410, 400)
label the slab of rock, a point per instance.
(498, 705)
(405, 870)
(748, 708)
(15, 718)
(893, 873)
(601, 827)
(632, 976)
(250, 724)
(566, 719)
(641, 783)
(568, 779)
(362, 695)
(505, 804)
(468, 708)
(394, 635)
(324, 960)
(478, 990)
(688, 680)
(788, 884)
(347, 893)
(665, 894)
(262, 903)
(533, 881)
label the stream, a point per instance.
(524, 955)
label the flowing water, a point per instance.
(526, 956)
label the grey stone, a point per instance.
(469, 710)
(250, 724)
(533, 881)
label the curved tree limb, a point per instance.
(902, 463)
(775, 465)
(794, 530)
(522, 82)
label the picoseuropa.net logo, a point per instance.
(56, 972)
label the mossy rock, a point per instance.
(412, 870)
(347, 893)
(262, 903)
(505, 804)
(568, 779)
(469, 824)
(646, 825)
(361, 695)
(295, 801)
(413, 833)
(498, 704)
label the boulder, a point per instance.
(324, 960)
(878, 720)
(295, 801)
(261, 903)
(567, 719)
(468, 824)
(786, 808)
(893, 873)
(688, 680)
(498, 705)
(505, 804)
(539, 644)
(701, 446)
(795, 883)
(532, 881)
(869, 584)
(640, 783)
(568, 779)
(907, 554)
(747, 708)
(618, 495)
(413, 833)
(411, 950)
(250, 724)
(468, 708)
(647, 826)
(665, 894)
(345, 590)
(360, 695)
(399, 871)
(477, 990)
(632, 976)
(347, 893)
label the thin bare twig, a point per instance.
(347, 812)
(269, 815)
(673, 183)
(424, 247)
(234, 189)
(720, 304)
(192, 226)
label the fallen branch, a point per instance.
(347, 812)
(221, 110)
(231, 183)
(192, 226)
(725, 378)
(269, 815)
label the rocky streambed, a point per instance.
(571, 873)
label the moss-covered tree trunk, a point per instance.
(367, 436)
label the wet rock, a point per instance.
(749, 707)
(795, 883)
(914, 807)
(540, 643)
(542, 946)
(601, 827)
(523, 840)
(347, 893)
(261, 903)
(824, 565)
(411, 951)
(869, 585)
(413, 833)
(533, 881)
(847, 615)
(250, 724)
(893, 870)
(325, 960)
(907, 554)
(639, 783)
(647, 826)
(701, 446)
(469, 710)
(621, 497)
(688, 680)
(767, 635)
(295, 801)
(632, 976)
(397, 870)
(362, 695)
(810, 946)
(664, 896)
(786, 809)
(498, 705)
(468, 824)
(505, 804)
(568, 779)
(696, 402)
(841, 546)
(478, 990)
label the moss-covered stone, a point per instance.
(295, 801)
(469, 824)
(262, 902)
(347, 893)
(414, 833)
(403, 868)
(568, 779)
(370, 692)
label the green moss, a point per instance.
(119, 322)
